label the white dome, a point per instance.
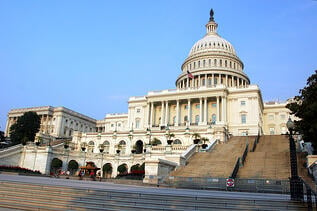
(212, 43)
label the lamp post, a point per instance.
(296, 185)
(101, 150)
(66, 146)
(83, 148)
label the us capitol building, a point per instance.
(213, 97)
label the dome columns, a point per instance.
(212, 80)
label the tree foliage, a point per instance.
(56, 163)
(304, 107)
(73, 165)
(107, 168)
(25, 128)
(2, 138)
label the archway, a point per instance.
(139, 147)
(177, 141)
(122, 169)
(56, 165)
(91, 146)
(72, 166)
(107, 170)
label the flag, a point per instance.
(189, 75)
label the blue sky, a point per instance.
(91, 56)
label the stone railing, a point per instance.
(158, 148)
(179, 148)
(187, 154)
(9, 150)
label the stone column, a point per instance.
(189, 111)
(199, 81)
(187, 82)
(162, 113)
(151, 114)
(206, 111)
(232, 81)
(177, 113)
(227, 80)
(218, 109)
(222, 109)
(224, 102)
(200, 111)
(206, 80)
(166, 114)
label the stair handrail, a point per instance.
(245, 153)
(256, 141)
(239, 162)
(235, 169)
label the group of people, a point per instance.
(92, 174)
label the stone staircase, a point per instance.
(30, 196)
(269, 161)
(219, 162)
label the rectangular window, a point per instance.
(197, 105)
(242, 103)
(138, 110)
(137, 123)
(271, 117)
(186, 107)
(214, 105)
(282, 116)
(243, 118)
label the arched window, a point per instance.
(177, 141)
(106, 145)
(91, 146)
(185, 118)
(122, 143)
(215, 62)
(122, 146)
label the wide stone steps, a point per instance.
(217, 163)
(23, 196)
(269, 161)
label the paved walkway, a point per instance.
(140, 189)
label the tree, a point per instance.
(304, 107)
(56, 164)
(72, 166)
(25, 128)
(2, 138)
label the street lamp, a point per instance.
(83, 148)
(66, 146)
(296, 185)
